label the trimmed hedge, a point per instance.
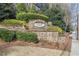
(6, 35)
(9, 36)
(30, 16)
(55, 29)
(30, 37)
(12, 22)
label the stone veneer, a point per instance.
(33, 28)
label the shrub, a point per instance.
(59, 23)
(55, 29)
(6, 35)
(30, 16)
(69, 29)
(7, 11)
(30, 37)
(13, 22)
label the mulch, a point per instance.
(43, 44)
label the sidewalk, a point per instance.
(75, 48)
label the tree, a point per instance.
(67, 16)
(25, 7)
(7, 10)
(21, 7)
(32, 8)
(51, 10)
(54, 12)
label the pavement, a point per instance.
(31, 51)
(75, 48)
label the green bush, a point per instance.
(55, 29)
(30, 37)
(30, 16)
(6, 35)
(59, 23)
(13, 22)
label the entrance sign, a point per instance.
(37, 25)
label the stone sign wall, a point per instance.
(49, 36)
(62, 42)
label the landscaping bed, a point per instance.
(41, 44)
(16, 38)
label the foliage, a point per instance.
(55, 13)
(7, 10)
(59, 23)
(55, 29)
(22, 16)
(31, 8)
(30, 37)
(56, 16)
(68, 28)
(21, 7)
(26, 12)
(12, 22)
(6, 35)
(30, 16)
(41, 7)
(9, 36)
